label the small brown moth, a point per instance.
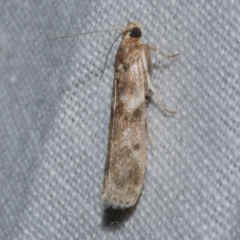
(125, 165)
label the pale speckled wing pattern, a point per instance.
(125, 166)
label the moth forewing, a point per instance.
(125, 166)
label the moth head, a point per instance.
(132, 30)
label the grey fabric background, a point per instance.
(54, 114)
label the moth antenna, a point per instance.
(110, 51)
(81, 34)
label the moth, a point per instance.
(132, 88)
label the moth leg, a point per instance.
(161, 103)
(160, 53)
(150, 85)
(149, 133)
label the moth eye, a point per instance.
(136, 33)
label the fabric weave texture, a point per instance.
(55, 110)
